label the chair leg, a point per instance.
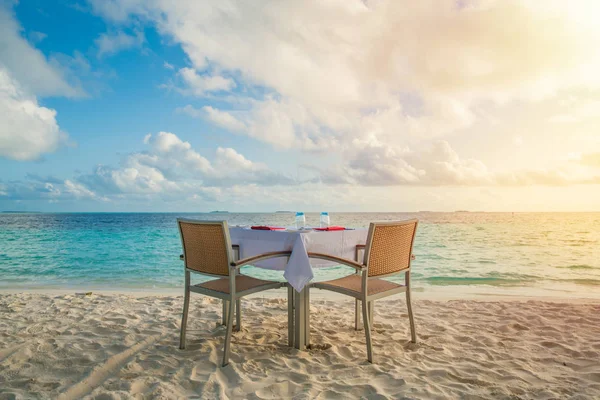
(230, 313)
(225, 311)
(184, 318)
(238, 315)
(413, 331)
(367, 325)
(290, 316)
(371, 312)
(356, 315)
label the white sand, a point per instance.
(119, 346)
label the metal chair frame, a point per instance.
(362, 269)
(231, 300)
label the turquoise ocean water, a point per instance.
(547, 254)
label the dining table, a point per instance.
(298, 267)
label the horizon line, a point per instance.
(291, 212)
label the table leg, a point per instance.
(300, 319)
(291, 331)
(307, 317)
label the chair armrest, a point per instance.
(358, 248)
(261, 257)
(350, 263)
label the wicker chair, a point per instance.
(207, 250)
(388, 251)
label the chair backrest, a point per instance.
(206, 246)
(389, 246)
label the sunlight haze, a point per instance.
(347, 105)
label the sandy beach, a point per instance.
(121, 346)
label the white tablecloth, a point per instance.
(298, 269)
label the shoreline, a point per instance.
(478, 295)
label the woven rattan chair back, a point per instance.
(389, 246)
(206, 246)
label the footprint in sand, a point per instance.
(320, 347)
(345, 352)
(44, 347)
(34, 329)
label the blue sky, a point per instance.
(130, 105)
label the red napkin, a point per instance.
(268, 228)
(331, 228)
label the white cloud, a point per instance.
(231, 160)
(233, 168)
(375, 164)
(223, 119)
(168, 66)
(139, 177)
(406, 68)
(579, 111)
(381, 84)
(195, 84)
(191, 111)
(177, 160)
(80, 191)
(27, 130)
(272, 121)
(37, 37)
(114, 42)
(116, 10)
(27, 65)
(281, 123)
(46, 188)
(172, 169)
(179, 153)
(443, 166)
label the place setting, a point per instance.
(300, 225)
